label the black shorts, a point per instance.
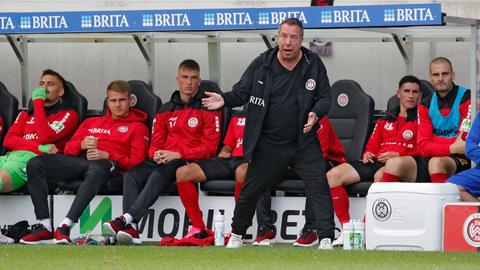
(366, 171)
(220, 168)
(423, 175)
(329, 164)
(422, 169)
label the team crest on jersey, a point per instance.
(310, 84)
(192, 122)
(388, 126)
(122, 129)
(471, 230)
(407, 134)
(342, 100)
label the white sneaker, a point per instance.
(325, 244)
(235, 241)
(339, 240)
(6, 240)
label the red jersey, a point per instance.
(430, 145)
(331, 146)
(125, 139)
(47, 125)
(234, 136)
(397, 135)
(189, 129)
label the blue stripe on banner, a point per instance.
(219, 19)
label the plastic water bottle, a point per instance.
(348, 235)
(359, 235)
(219, 229)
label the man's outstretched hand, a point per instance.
(214, 101)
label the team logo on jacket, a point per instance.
(407, 134)
(381, 209)
(310, 84)
(123, 129)
(471, 230)
(342, 100)
(192, 122)
(389, 126)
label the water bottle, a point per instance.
(359, 235)
(348, 235)
(219, 229)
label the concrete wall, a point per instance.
(377, 67)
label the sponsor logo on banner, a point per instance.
(104, 21)
(471, 230)
(344, 16)
(342, 100)
(43, 22)
(167, 217)
(407, 14)
(89, 220)
(310, 84)
(165, 19)
(382, 210)
(6, 23)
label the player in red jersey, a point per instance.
(183, 131)
(101, 148)
(42, 130)
(441, 138)
(392, 137)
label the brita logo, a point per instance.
(344, 16)
(43, 22)
(227, 18)
(103, 213)
(408, 15)
(6, 23)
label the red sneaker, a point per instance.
(62, 235)
(129, 236)
(39, 235)
(265, 237)
(114, 226)
(307, 238)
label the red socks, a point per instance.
(438, 177)
(341, 204)
(238, 187)
(189, 196)
(389, 178)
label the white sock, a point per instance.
(128, 218)
(47, 223)
(67, 222)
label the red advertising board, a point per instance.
(461, 227)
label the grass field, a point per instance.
(280, 256)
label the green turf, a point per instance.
(277, 257)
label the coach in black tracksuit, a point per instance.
(286, 87)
